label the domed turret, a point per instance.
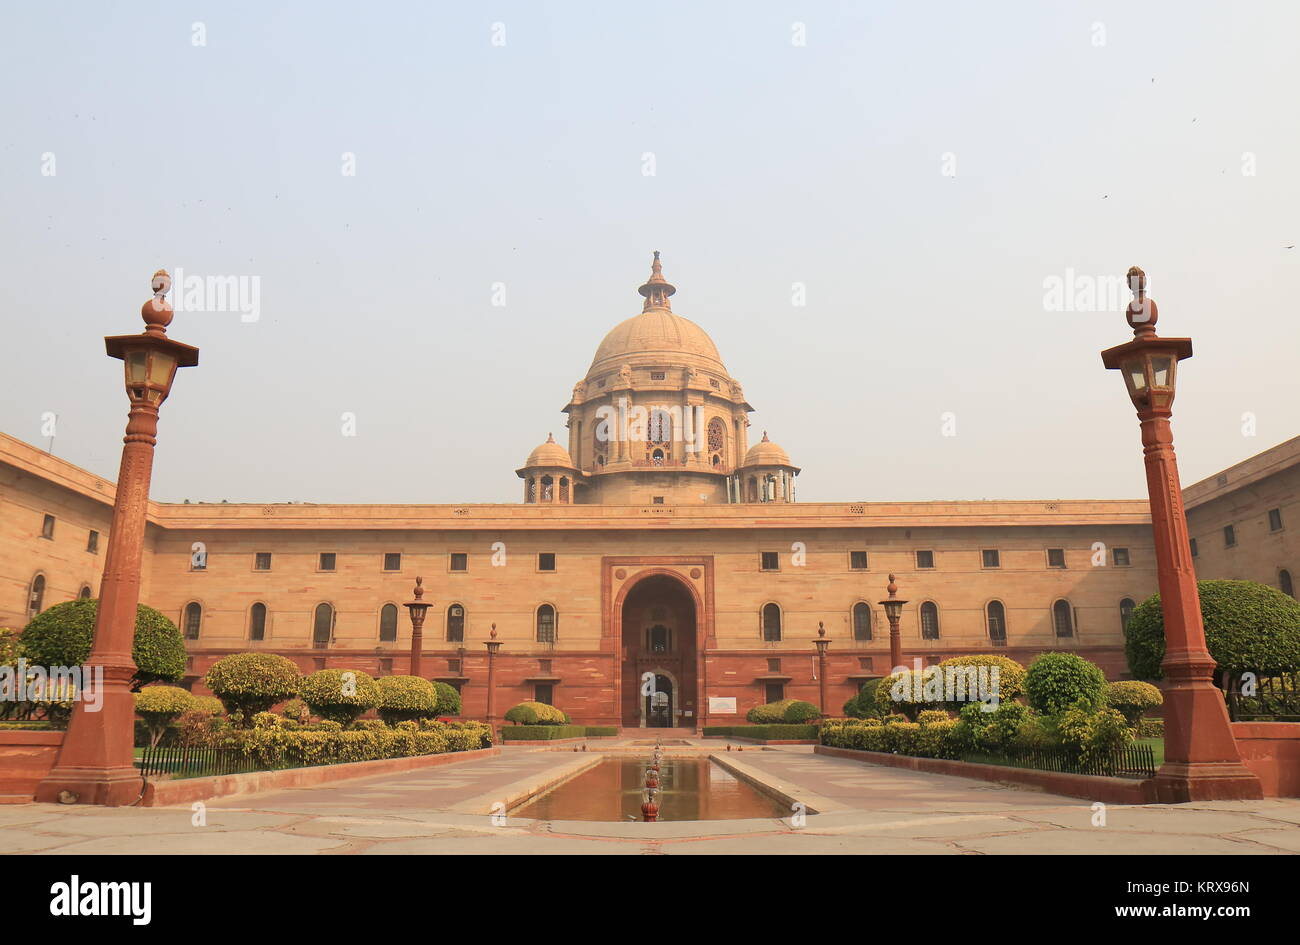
(548, 474)
(767, 475)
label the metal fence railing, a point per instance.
(1131, 761)
(1254, 697)
(183, 761)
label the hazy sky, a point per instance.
(505, 143)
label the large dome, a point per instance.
(657, 336)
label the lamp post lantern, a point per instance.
(492, 644)
(894, 611)
(96, 764)
(1201, 757)
(418, 609)
(822, 642)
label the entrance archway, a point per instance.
(659, 655)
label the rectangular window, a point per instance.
(47, 527)
(92, 542)
(453, 667)
(867, 663)
(393, 561)
(1229, 536)
(544, 667)
(991, 558)
(1192, 542)
(546, 561)
(1121, 557)
(770, 561)
(857, 561)
(262, 561)
(1274, 520)
(657, 375)
(774, 665)
(327, 561)
(925, 559)
(657, 500)
(544, 693)
(1056, 557)
(774, 692)
(459, 561)
(385, 667)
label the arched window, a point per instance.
(661, 426)
(85, 592)
(322, 628)
(657, 457)
(996, 616)
(548, 488)
(36, 596)
(861, 622)
(546, 624)
(1063, 618)
(717, 438)
(532, 489)
(1125, 611)
(929, 621)
(1284, 582)
(193, 618)
(771, 623)
(257, 622)
(456, 624)
(388, 623)
(751, 492)
(564, 488)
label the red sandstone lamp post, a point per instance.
(822, 642)
(1201, 758)
(894, 611)
(418, 609)
(96, 764)
(492, 645)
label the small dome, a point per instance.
(766, 453)
(656, 337)
(549, 453)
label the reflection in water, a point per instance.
(689, 789)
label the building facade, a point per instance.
(659, 543)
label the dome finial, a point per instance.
(657, 289)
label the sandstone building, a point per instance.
(659, 541)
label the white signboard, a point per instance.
(722, 706)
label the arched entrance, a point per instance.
(659, 655)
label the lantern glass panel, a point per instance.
(161, 366)
(1135, 374)
(136, 367)
(1162, 372)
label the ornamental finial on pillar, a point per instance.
(157, 312)
(1142, 312)
(419, 587)
(657, 289)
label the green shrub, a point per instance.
(1092, 736)
(863, 705)
(249, 683)
(371, 725)
(1057, 680)
(543, 732)
(1010, 679)
(799, 712)
(1132, 698)
(1249, 627)
(535, 713)
(1151, 728)
(277, 747)
(981, 731)
(339, 694)
(448, 699)
(296, 709)
(774, 732)
(403, 698)
(209, 704)
(929, 716)
(908, 692)
(61, 636)
(159, 706)
(481, 731)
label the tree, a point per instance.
(448, 699)
(1249, 627)
(1131, 698)
(340, 695)
(1057, 680)
(406, 698)
(62, 636)
(249, 683)
(159, 706)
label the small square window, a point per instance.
(1121, 557)
(544, 693)
(393, 561)
(657, 500)
(991, 558)
(774, 692)
(327, 560)
(925, 559)
(866, 662)
(262, 561)
(546, 561)
(1192, 543)
(47, 527)
(1229, 536)
(657, 375)
(774, 665)
(459, 561)
(453, 666)
(857, 560)
(770, 561)
(1274, 520)
(385, 666)
(92, 542)
(1056, 557)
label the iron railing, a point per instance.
(1254, 697)
(1131, 761)
(187, 761)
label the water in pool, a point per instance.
(689, 789)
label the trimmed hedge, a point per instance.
(406, 698)
(775, 732)
(340, 695)
(448, 698)
(935, 739)
(61, 636)
(531, 733)
(1132, 698)
(1058, 679)
(786, 711)
(535, 713)
(1249, 627)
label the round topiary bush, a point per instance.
(535, 713)
(906, 692)
(406, 698)
(249, 683)
(298, 711)
(1249, 627)
(448, 699)
(1131, 698)
(1057, 680)
(61, 636)
(340, 695)
(159, 706)
(1010, 677)
(799, 712)
(209, 704)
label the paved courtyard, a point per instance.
(865, 809)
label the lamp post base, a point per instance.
(108, 787)
(1206, 781)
